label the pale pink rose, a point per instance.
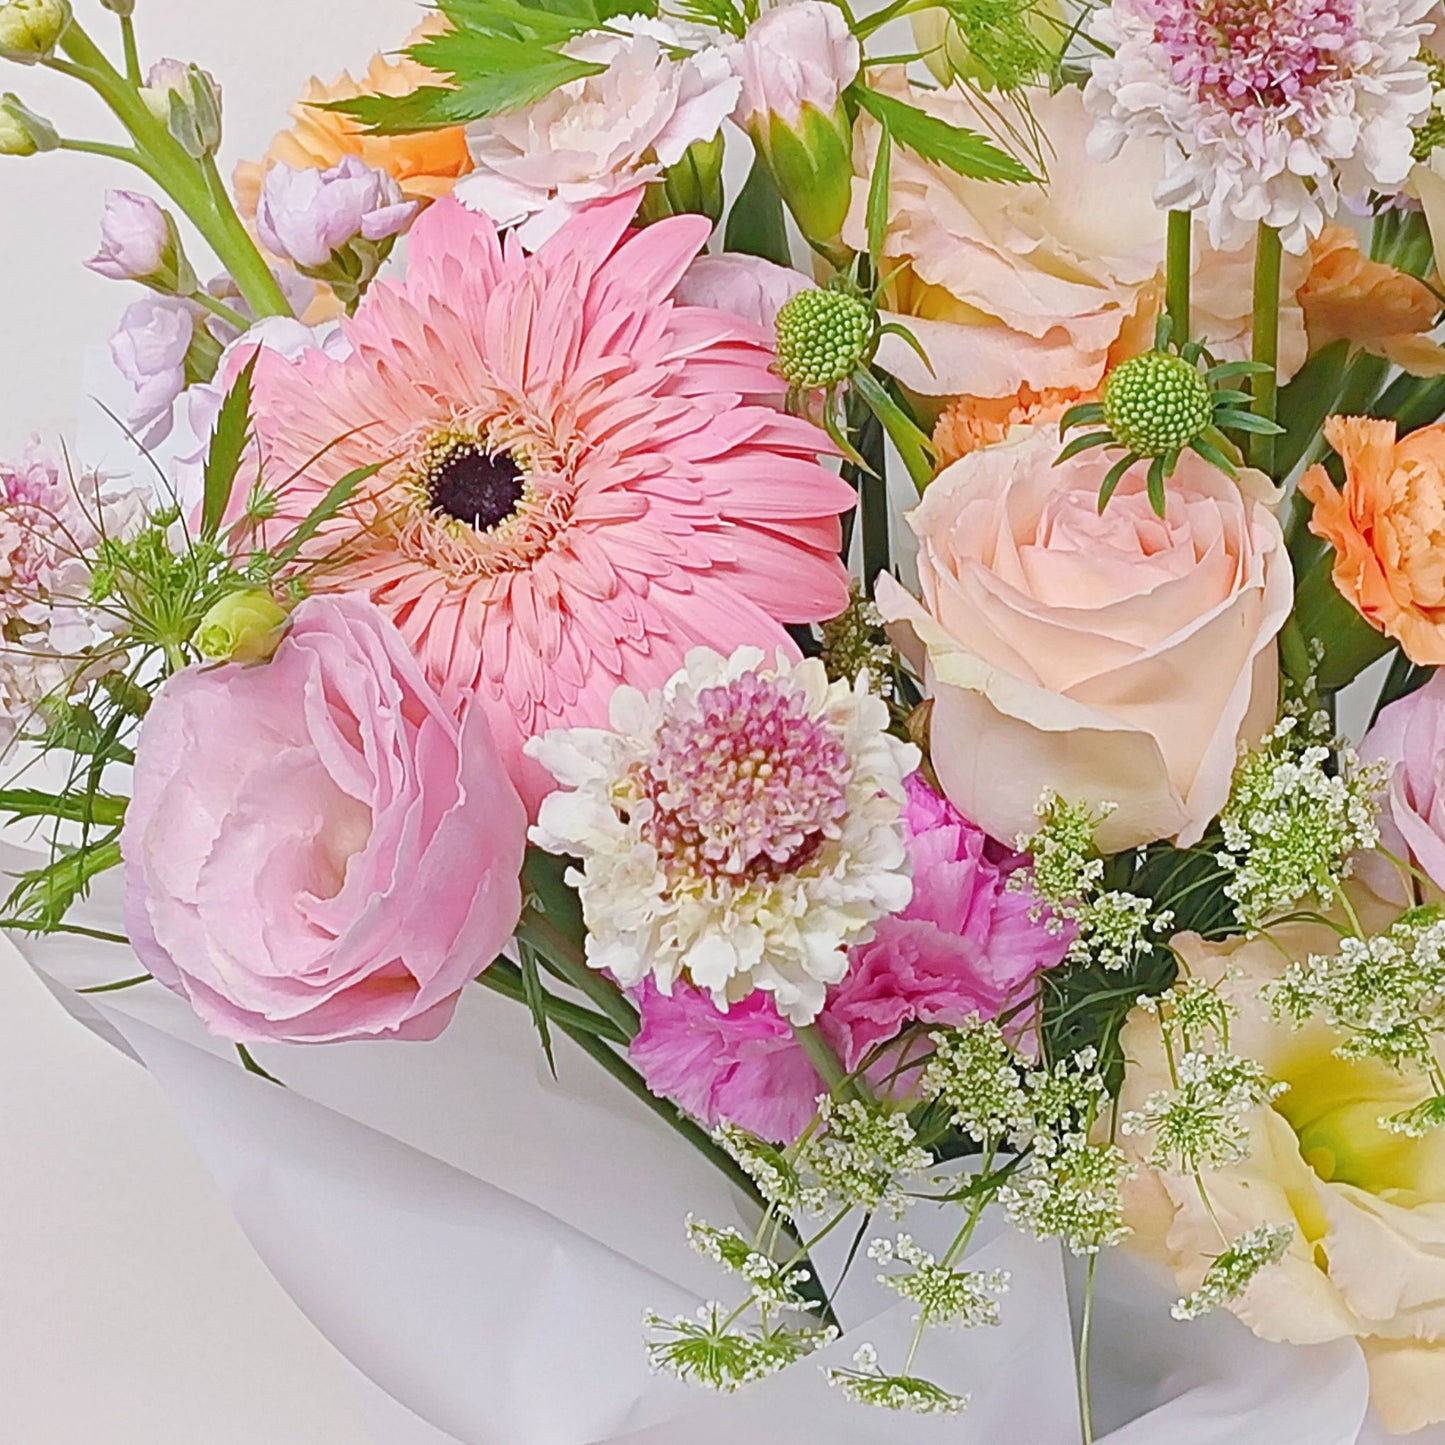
(1409, 738)
(666, 86)
(1040, 286)
(316, 849)
(746, 286)
(1113, 659)
(796, 55)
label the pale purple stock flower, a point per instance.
(149, 348)
(134, 238)
(308, 215)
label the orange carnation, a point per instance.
(425, 166)
(970, 422)
(1376, 308)
(1387, 527)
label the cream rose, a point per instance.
(1114, 659)
(1367, 1206)
(1040, 287)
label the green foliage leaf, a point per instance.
(337, 496)
(961, 150)
(45, 895)
(756, 226)
(878, 201)
(228, 446)
(534, 994)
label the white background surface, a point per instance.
(132, 1310)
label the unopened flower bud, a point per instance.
(22, 132)
(187, 101)
(31, 29)
(123, 8)
(241, 627)
(795, 63)
(139, 242)
(694, 186)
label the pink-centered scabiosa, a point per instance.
(578, 486)
(740, 827)
(1271, 108)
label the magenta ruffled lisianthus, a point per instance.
(971, 941)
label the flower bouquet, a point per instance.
(814, 915)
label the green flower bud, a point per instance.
(823, 337)
(991, 44)
(812, 163)
(241, 627)
(31, 29)
(124, 8)
(693, 186)
(187, 101)
(1157, 403)
(22, 132)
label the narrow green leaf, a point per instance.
(1247, 421)
(534, 995)
(1156, 485)
(1227, 369)
(1214, 456)
(1084, 414)
(118, 986)
(248, 1060)
(1114, 477)
(98, 808)
(961, 150)
(894, 328)
(913, 446)
(228, 445)
(1083, 443)
(756, 226)
(45, 895)
(878, 201)
(337, 496)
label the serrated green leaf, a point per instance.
(337, 496)
(45, 895)
(228, 445)
(961, 150)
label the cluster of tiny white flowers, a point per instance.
(1112, 928)
(960, 1299)
(1292, 826)
(1201, 1124)
(862, 1156)
(866, 1384)
(710, 1350)
(1386, 993)
(765, 1164)
(976, 1072)
(1230, 1274)
(1194, 1009)
(771, 1286)
(1073, 1193)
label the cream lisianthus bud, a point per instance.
(31, 29)
(795, 63)
(241, 627)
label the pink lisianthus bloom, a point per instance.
(970, 942)
(316, 848)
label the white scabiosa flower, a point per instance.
(1272, 108)
(741, 826)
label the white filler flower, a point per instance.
(741, 826)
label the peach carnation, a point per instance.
(1387, 526)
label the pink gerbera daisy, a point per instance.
(581, 484)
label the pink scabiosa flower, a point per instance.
(575, 490)
(316, 849)
(971, 941)
(1271, 108)
(740, 826)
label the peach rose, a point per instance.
(1387, 527)
(1115, 659)
(425, 166)
(1039, 287)
(1368, 1207)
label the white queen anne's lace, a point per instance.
(1270, 108)
(742, 826)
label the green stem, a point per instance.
(830, 1068)
(1268, 263)
(1179, 265)
(132, 54)
(189, 184)
(505, 978)
(219, 308)
(563, 958)
(1086, 1331)
(116, 987)
(100, 148)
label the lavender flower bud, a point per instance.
(139, 242)
(187, 101)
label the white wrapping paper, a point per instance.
(481, 1241)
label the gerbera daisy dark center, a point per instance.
(467, 482)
